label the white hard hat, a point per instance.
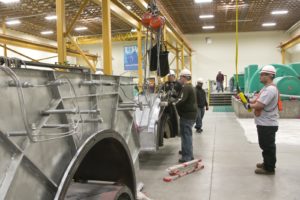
(200, 80)
(220, 71)
(99, 72)
(268, 69)
(171, 73)
(185, 72)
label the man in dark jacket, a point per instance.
(201, 102)
(187, 110)
(220, 80)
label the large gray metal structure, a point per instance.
(59, 128)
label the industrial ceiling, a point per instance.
(252, 14)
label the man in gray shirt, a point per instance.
(266, 115)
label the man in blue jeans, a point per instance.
(187, 110)
(201, 102)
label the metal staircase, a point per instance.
(220, 99)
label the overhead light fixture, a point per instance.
(81, 28)
(129, 7)
(51, 17)
(203, 1)
(206, 16)
(208, 27)
(279, 12)
(269, 24)
(13, 22)
(10, 1)
(133, 30)
(47, 32)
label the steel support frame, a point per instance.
(4, 33)
(60, 31)
(140, 56)
(106, 32)
(14, 41)
(286, 45)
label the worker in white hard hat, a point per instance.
(266, 116)
(220, 80)
(202, 104)
(172, 86)
(187, 110)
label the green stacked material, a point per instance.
(288, 85)
(296, 67)
(241, 81)
(222, 109)
(281, 70)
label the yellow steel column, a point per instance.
(190, 56)
(61, 28)
(283, 56)
(4, 33)
(140, 56)
(182, 56)
(106, 35)
(177, 61)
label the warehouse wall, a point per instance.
(254, 48)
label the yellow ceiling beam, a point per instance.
(14, 41)
(83, 5)
(92, 67)
(120, 10)
(16, 52)
(290, 43)
(115, 38)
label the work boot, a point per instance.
(199, 130)
(260, 165)
(264, 172)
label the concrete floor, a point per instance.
(229, 167)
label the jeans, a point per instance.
(220, 86)
(200, 114)
(186, 139)
(266, 140)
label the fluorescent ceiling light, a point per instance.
(51, 17)
(203, 1)
(13, 22)
(279, 12)
(47, 32)
(206, 16)
(128, 7)
(208, 27)
(133, 30)
(81, 28)
(10, 1)
(269, 24)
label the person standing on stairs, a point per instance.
(266, 119)
(187, 110)
(220, 80)
(201, 102)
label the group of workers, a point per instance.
(192, 103)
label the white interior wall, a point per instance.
(254, 48)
